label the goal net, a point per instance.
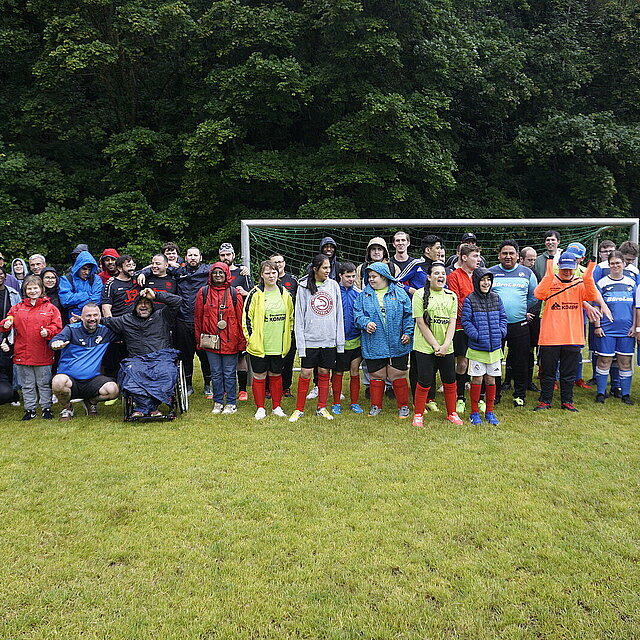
(299, 240)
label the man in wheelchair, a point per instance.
(150, 375)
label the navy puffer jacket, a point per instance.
(484, 318)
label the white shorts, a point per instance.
(478, 369)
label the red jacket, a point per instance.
(207, 314)
(30, 347)
(462, 285)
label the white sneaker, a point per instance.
(313, 393)
(324, 413)
(279, 412)
(296, 415)
(260, 413)
(217, 408)
(230, 408)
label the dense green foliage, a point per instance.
(124, 123)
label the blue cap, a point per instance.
(568, 260)
(578, 249)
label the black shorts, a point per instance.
(401, 363)
(428, 364)
(271, 364)
(344, 360)
(460, 343)
(88, 389)
(324, 357)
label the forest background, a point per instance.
(128, 123)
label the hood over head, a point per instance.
(136, 304)
(111, 253)
(383, 269)
(24, 264)
(51, 270)
(477, 275)
(225, 267)
(328, 240)
(84, 258)
(381, 242)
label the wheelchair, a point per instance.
(178, 404)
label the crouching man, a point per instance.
(150, 373)
(82, 346)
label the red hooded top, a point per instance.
(207, 313)
(30, 347)
(105, 275)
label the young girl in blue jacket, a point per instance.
(383, 314)
(484, 320)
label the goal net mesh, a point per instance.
(298, 245)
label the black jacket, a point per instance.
(143, 336)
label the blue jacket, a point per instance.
(82, 357)
(76, 293)
(153, 374)
(484, 318)
(349, 297)
(384, 342)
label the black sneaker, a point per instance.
(541, 406)
(532, 387)
(189, 390)
(568, 406)
(616, 392)
(505, 386)
(47, 415)
(627, 399)
(29, 415)
(600, 398)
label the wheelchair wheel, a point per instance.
(181, 390)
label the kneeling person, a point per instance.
(83, 345)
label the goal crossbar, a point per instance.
(549, 223)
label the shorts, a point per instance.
(610, 345)
(460, 343)
(323, 357)
(344, 360)
(401, 363)
(272, 364)
(87, 389)
(478, 369)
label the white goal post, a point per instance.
(602, 224)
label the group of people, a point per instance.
(106, 325)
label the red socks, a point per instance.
(450, 397)
(420, 399)
(476, 391)
(275, 385)
(303, 389)
(354, 389)
(490, 394)
(401, 391)
(323, 389)
(377, 392)
(259, 388)
(336, 386)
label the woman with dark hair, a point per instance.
(51, 280)
(383, 314)
(267, 321)
(319, 332)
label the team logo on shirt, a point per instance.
(565, 306)
(321, 303)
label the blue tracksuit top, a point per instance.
(82, 357)
(349, 297)
(515, 288)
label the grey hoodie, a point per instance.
(318, 320)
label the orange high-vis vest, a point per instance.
(562, 321)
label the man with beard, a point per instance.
(241, 280)
(147, 334)
(108, 263)
(160, 279)
(83, 346)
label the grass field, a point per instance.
(221, 527)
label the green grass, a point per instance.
(221, 527)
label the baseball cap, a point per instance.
(468, 236)
(226, 247)
(567, 260)
(578, 249)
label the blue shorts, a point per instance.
(610, 345)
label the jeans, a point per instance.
(223, 375)
(33, 378)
